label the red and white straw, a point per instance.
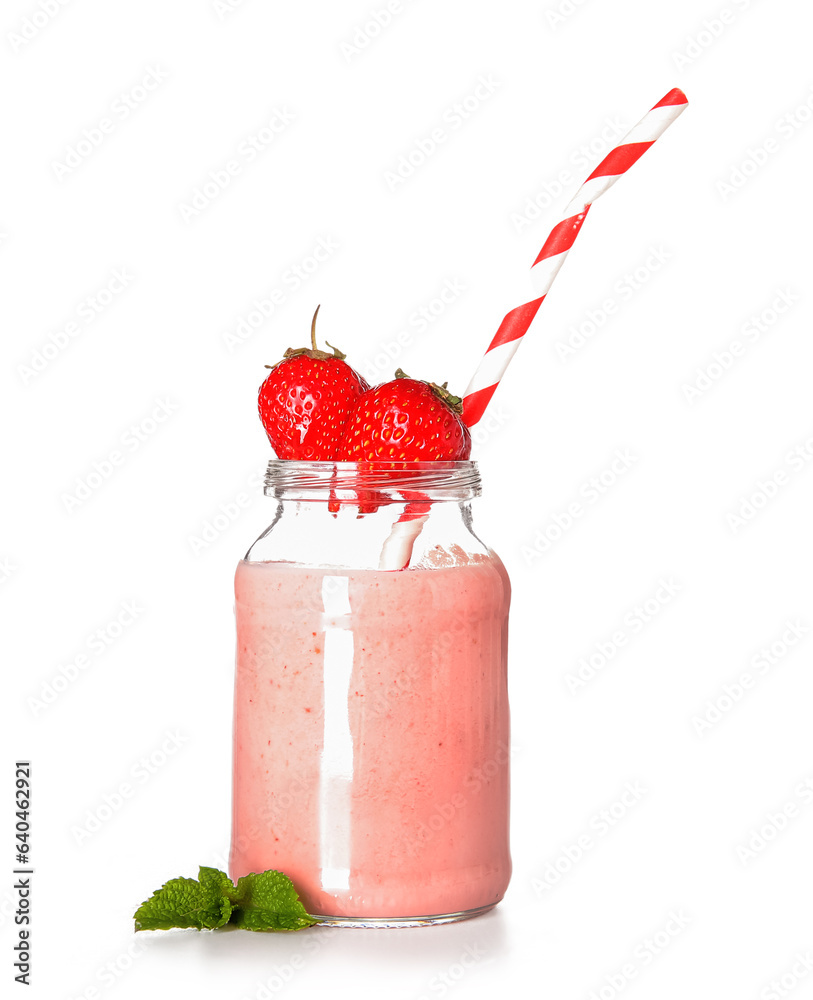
(515, 325)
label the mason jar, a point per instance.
(371, 728)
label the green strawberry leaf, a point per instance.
(268, 901)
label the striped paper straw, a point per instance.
(514, 326)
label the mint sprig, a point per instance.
(267, 901)
(261, 901)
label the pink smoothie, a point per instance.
(371, 738)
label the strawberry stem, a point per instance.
(336, 352)
(453, 402)
(313, 351)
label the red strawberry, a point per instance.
(406, 421)
(306, 400)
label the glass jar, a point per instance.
(371, 732)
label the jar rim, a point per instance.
(291, 479)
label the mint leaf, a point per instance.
(185, 902)
(219, 885)
(268, 901)
(264, 901)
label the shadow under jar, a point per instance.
(371, 729)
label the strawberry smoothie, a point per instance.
(371, 738)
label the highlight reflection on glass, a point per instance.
(336, 766)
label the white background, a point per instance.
(715, 221)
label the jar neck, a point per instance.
(377, 482)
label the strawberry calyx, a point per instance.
(313, 351)
(455, 403)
